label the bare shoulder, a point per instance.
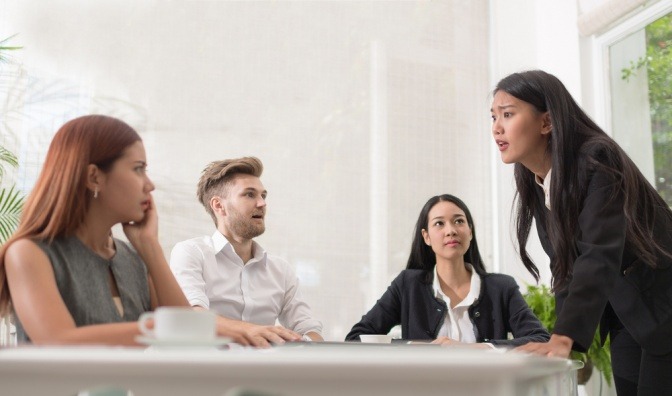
(25, 254)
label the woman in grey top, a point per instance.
(67, 279)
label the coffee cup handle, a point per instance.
(142, 323)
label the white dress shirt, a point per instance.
(457, 324)
(546, 186)
(260, 291)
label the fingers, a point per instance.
(285, 334)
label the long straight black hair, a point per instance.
(578, 147)
(423, 257)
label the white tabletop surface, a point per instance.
(290, 370)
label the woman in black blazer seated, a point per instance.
(606, 230)
(445, 295)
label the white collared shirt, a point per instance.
(260, 291)
(457, 324)
(546, 186)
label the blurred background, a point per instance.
(360, 111)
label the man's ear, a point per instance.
(546, 124)
(94, 178)
(217, 205)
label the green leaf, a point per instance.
(11, 204)
(4, 48)
(541, 301)
(7, 157)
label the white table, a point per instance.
(293, 370)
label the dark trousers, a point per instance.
(636, 371)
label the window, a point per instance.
(640, 83)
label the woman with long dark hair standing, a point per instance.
(445, 295)
(604, 227)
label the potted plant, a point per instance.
(542, 302)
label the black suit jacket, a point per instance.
(500, 309)
(607, 271)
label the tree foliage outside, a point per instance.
(658, 65)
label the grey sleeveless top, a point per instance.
(83, 281)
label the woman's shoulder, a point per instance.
(499, 280)
(409, 277)
(412, 274)
(25, 251)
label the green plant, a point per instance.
(11, 200)
(542, 302)
(4, 47)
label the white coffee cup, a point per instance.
(179, 324)
(376, 338)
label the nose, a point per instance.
(450, 231)
(149, 185)
(496, 128)
(261, 202)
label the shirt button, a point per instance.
(477, 314)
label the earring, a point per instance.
(95, 193)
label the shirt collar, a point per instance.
(474, 288)
(546, 186)
(220, 243)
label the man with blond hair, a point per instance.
(231, 274)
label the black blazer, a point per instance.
(607, 271)
(410, 301)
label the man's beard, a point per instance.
(244, 227)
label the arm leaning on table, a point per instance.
(296, 313)
(384, 315)
(40, 307)
(186, 262)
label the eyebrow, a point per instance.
(502, 107)
(255, 190)
(454, 216)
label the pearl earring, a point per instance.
(95, 193)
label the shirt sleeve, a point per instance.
(525, 326)
(296, 314)
(186, 262)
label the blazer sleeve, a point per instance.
(524, 325)
(600, 243)
(384, 315)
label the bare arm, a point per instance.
(39, 305)
(314, 336)
(144, 236)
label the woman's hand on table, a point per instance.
(557, 346)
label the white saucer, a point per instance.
(183, 343)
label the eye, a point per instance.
(493, 118)
(459, 221)
(140, 169)
(507, 114)
(249, 194)
(438, 223)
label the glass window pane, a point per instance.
(641, 90)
